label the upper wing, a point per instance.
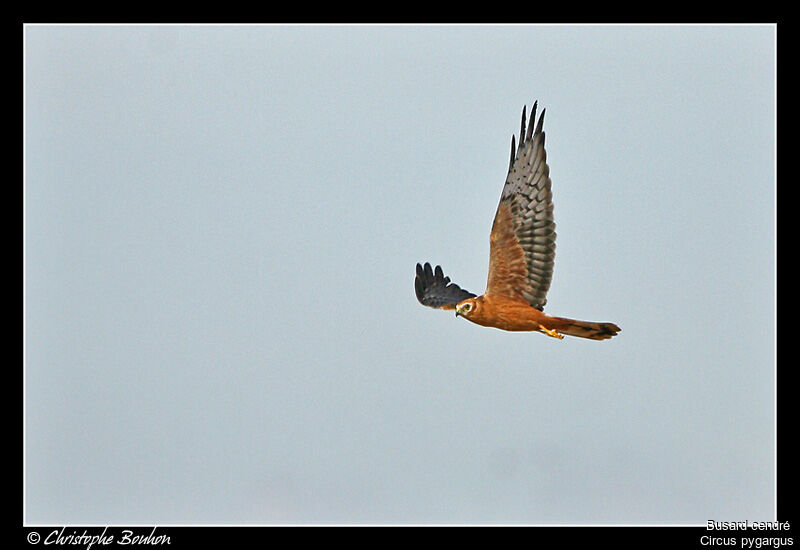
(523, 238)
(433, 290)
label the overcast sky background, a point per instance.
(221, 229)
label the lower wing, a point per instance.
(435, 290)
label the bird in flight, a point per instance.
(522, 250)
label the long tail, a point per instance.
(583, 329)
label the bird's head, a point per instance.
(467, 308)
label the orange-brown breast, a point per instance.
(506, 313)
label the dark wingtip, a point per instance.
(419, 289)
(522, 127)
(435, 290)
(532, 121)
(541, 122)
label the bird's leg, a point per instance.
(551, 332)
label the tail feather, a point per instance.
(583, 329)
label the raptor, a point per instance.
(522, 248)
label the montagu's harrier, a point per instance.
(521, 254)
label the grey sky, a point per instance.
(222, 224)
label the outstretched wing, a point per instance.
(523, 238)
(435, 290)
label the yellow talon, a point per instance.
(554, 333)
